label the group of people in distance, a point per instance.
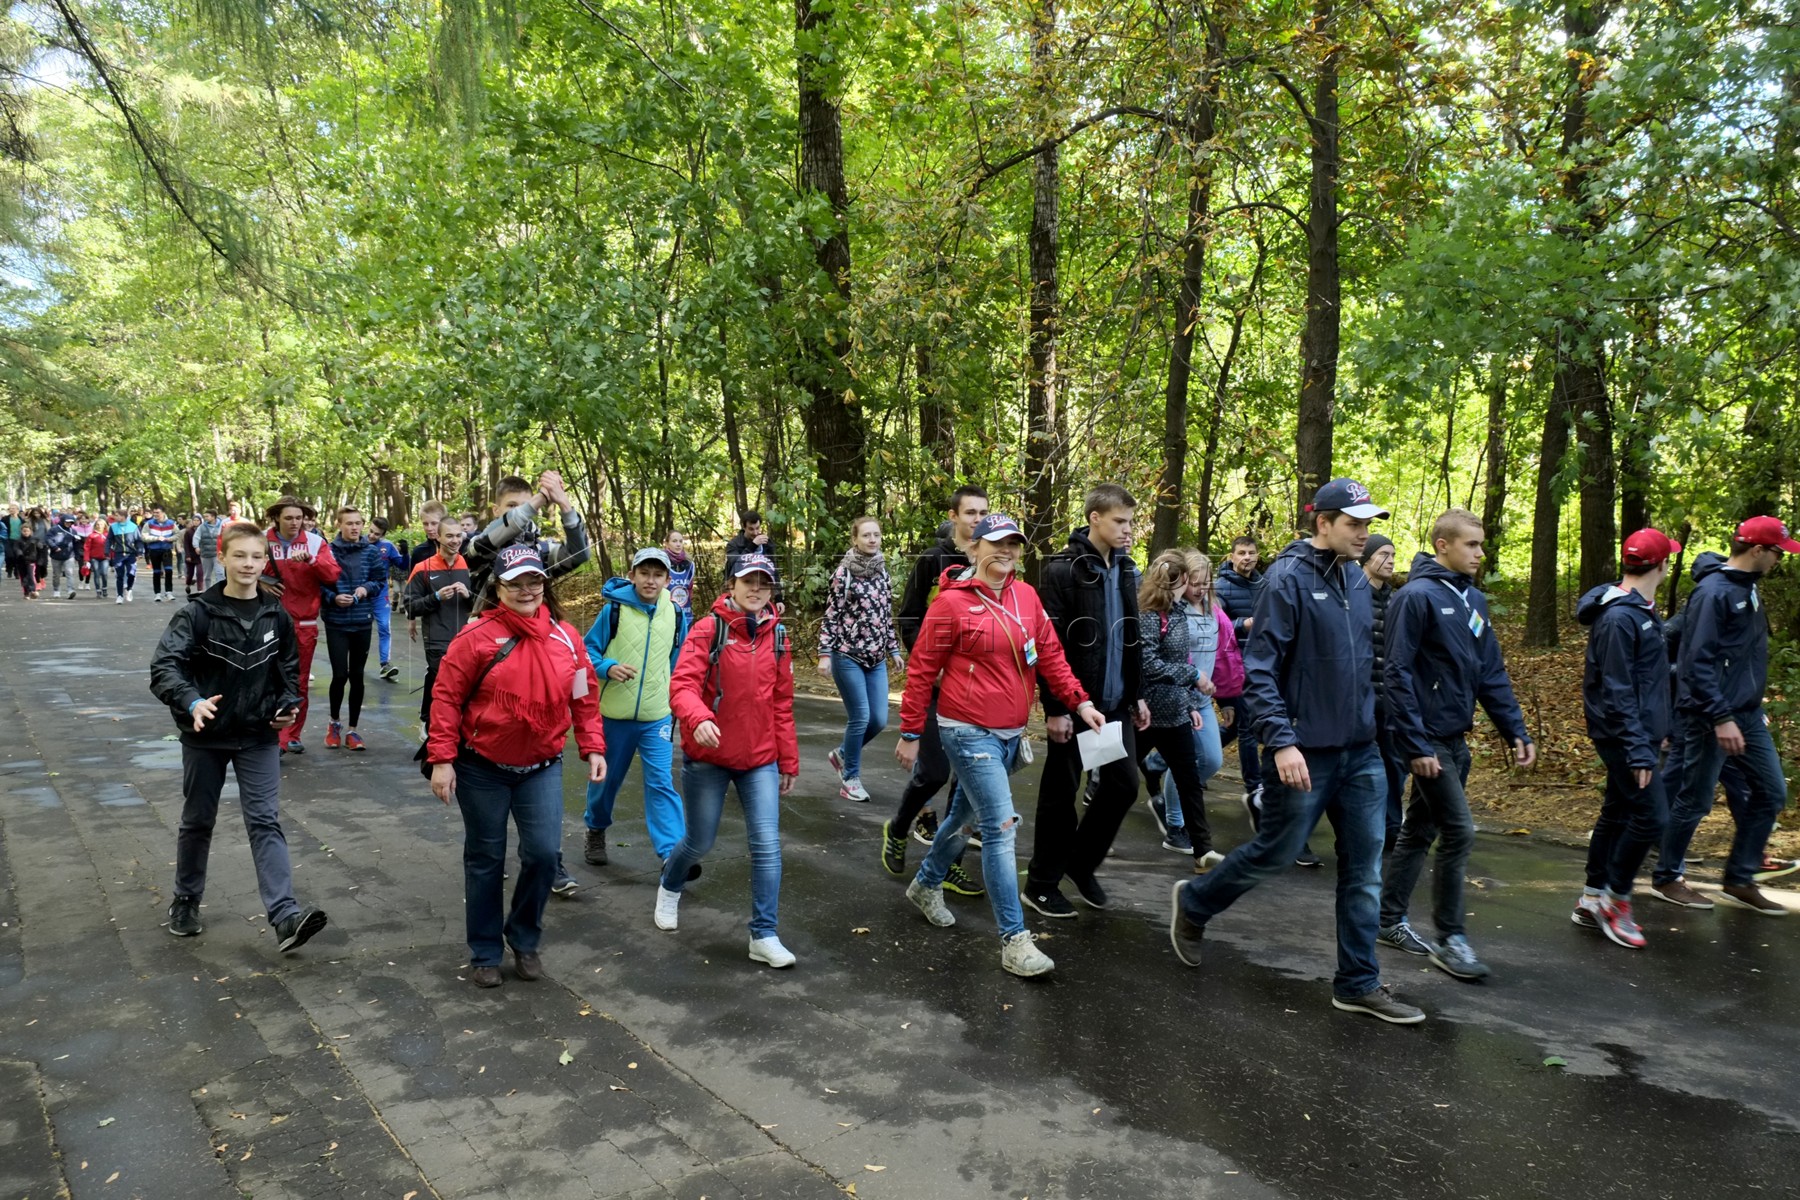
(1340, 686)
(50, 550)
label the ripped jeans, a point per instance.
(982, 797)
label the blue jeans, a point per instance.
(1249, 764)
(650, 741)
(983, 797)
(1347, 787)
(1439, 813)
(759, 790)
(384, 626)
(125, 574)
(865, 693)
(1631, 821)
(487, 795)
(1755, 811)
(258, 770)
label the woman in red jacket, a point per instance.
(733, 693)
(987, 636)
(508, 689)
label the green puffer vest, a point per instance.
(644, 642)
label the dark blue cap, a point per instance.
(750, 564)
(1348, 497)
(997, 527)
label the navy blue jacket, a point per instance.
(1437, 669)
(1625, 686)
(1724, 662)
(1308, 663)
(1237, 596)
(362, 565)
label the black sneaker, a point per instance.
(1178, 841)
(390, 672)
(1090, 891)
(893, 850)
(1047, 902)
(593, 851)
(1381, 1004)
(299, 929)
(1159, 809)
(1306, 857)
(1184, 935)
(961, 882)
(925, 828)
(1092, 790)
(184, 917)
(1253, 807)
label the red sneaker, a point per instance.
(353, 740)
(1616, 923)
(334, 735)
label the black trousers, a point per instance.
(929, 774)
(349, 650)
(1063, 842)
(1176, 745)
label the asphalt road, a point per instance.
(135, 1064)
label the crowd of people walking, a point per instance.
(1338, 687)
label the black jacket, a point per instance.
(254, 665)
(922, 586)
(1724, 663)
(1378, 606)
(1438, 666)
(441, 620)
(1308, 660)
(1237, 596)
(1625, 684)
(1073, 589)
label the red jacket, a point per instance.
(525, 707)
(300, 581)
(755, 714)
(978, 643)
(94, 545)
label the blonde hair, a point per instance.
(1452, 522)
(239, 531)
(1163, 582)
(1198, 561)
(857, 525)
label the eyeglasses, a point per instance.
(533, 584)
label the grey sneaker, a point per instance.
(1019, 955)
(1184, 935)
(1404, 940)
(1381, 1004)
(593, 850)
(565, 884)
(1401, 937)
(930, 901)
(1454, 956)
(299, 929)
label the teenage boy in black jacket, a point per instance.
(968, 504)
(1724, 670)
(1625, 696)
(228, 667)
(1442, 658)
(1307, 672)
(1090, 595)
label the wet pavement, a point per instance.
(896, 1059)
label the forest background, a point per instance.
(1537, 258)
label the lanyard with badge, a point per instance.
(1476, 624)
(1031, 654)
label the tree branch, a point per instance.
(990, 170)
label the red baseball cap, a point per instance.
(1648, 547)
(1767, 531)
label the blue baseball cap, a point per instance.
(750, 564)
(996, 527)
(518, 559)
(1348, 497)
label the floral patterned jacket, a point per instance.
(859, 619)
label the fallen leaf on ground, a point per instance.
(565, 1058)
(831, 1091)
(872, 1167)
(1555, 1061)
(614, 1087)
(1518, 833)
(278, 1118)
(107, 1121)
(860, 929)
(112, 1177)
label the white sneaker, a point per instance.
(1208, 861)
(930, 901)
(852, 789)
(770, 950)
(668, 904)
(1019, 955)
(131, 596)
(120, 600)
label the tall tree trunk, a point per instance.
(1043, 446)
(1221, 386)
(1584, 386)
(1319, 341)
(1546, 523)
(1493, 498)
(1202, 125)
(937, 414)
(835, 429)
(728, 402)
(1634, 474)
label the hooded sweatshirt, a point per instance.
(1625, 683)
(1091, 597)
(1442, 659)
(1724, 660)
(750, 696)
(647, 637)
(978, 642)
(1308, 660)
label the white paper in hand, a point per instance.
(1102, 747)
